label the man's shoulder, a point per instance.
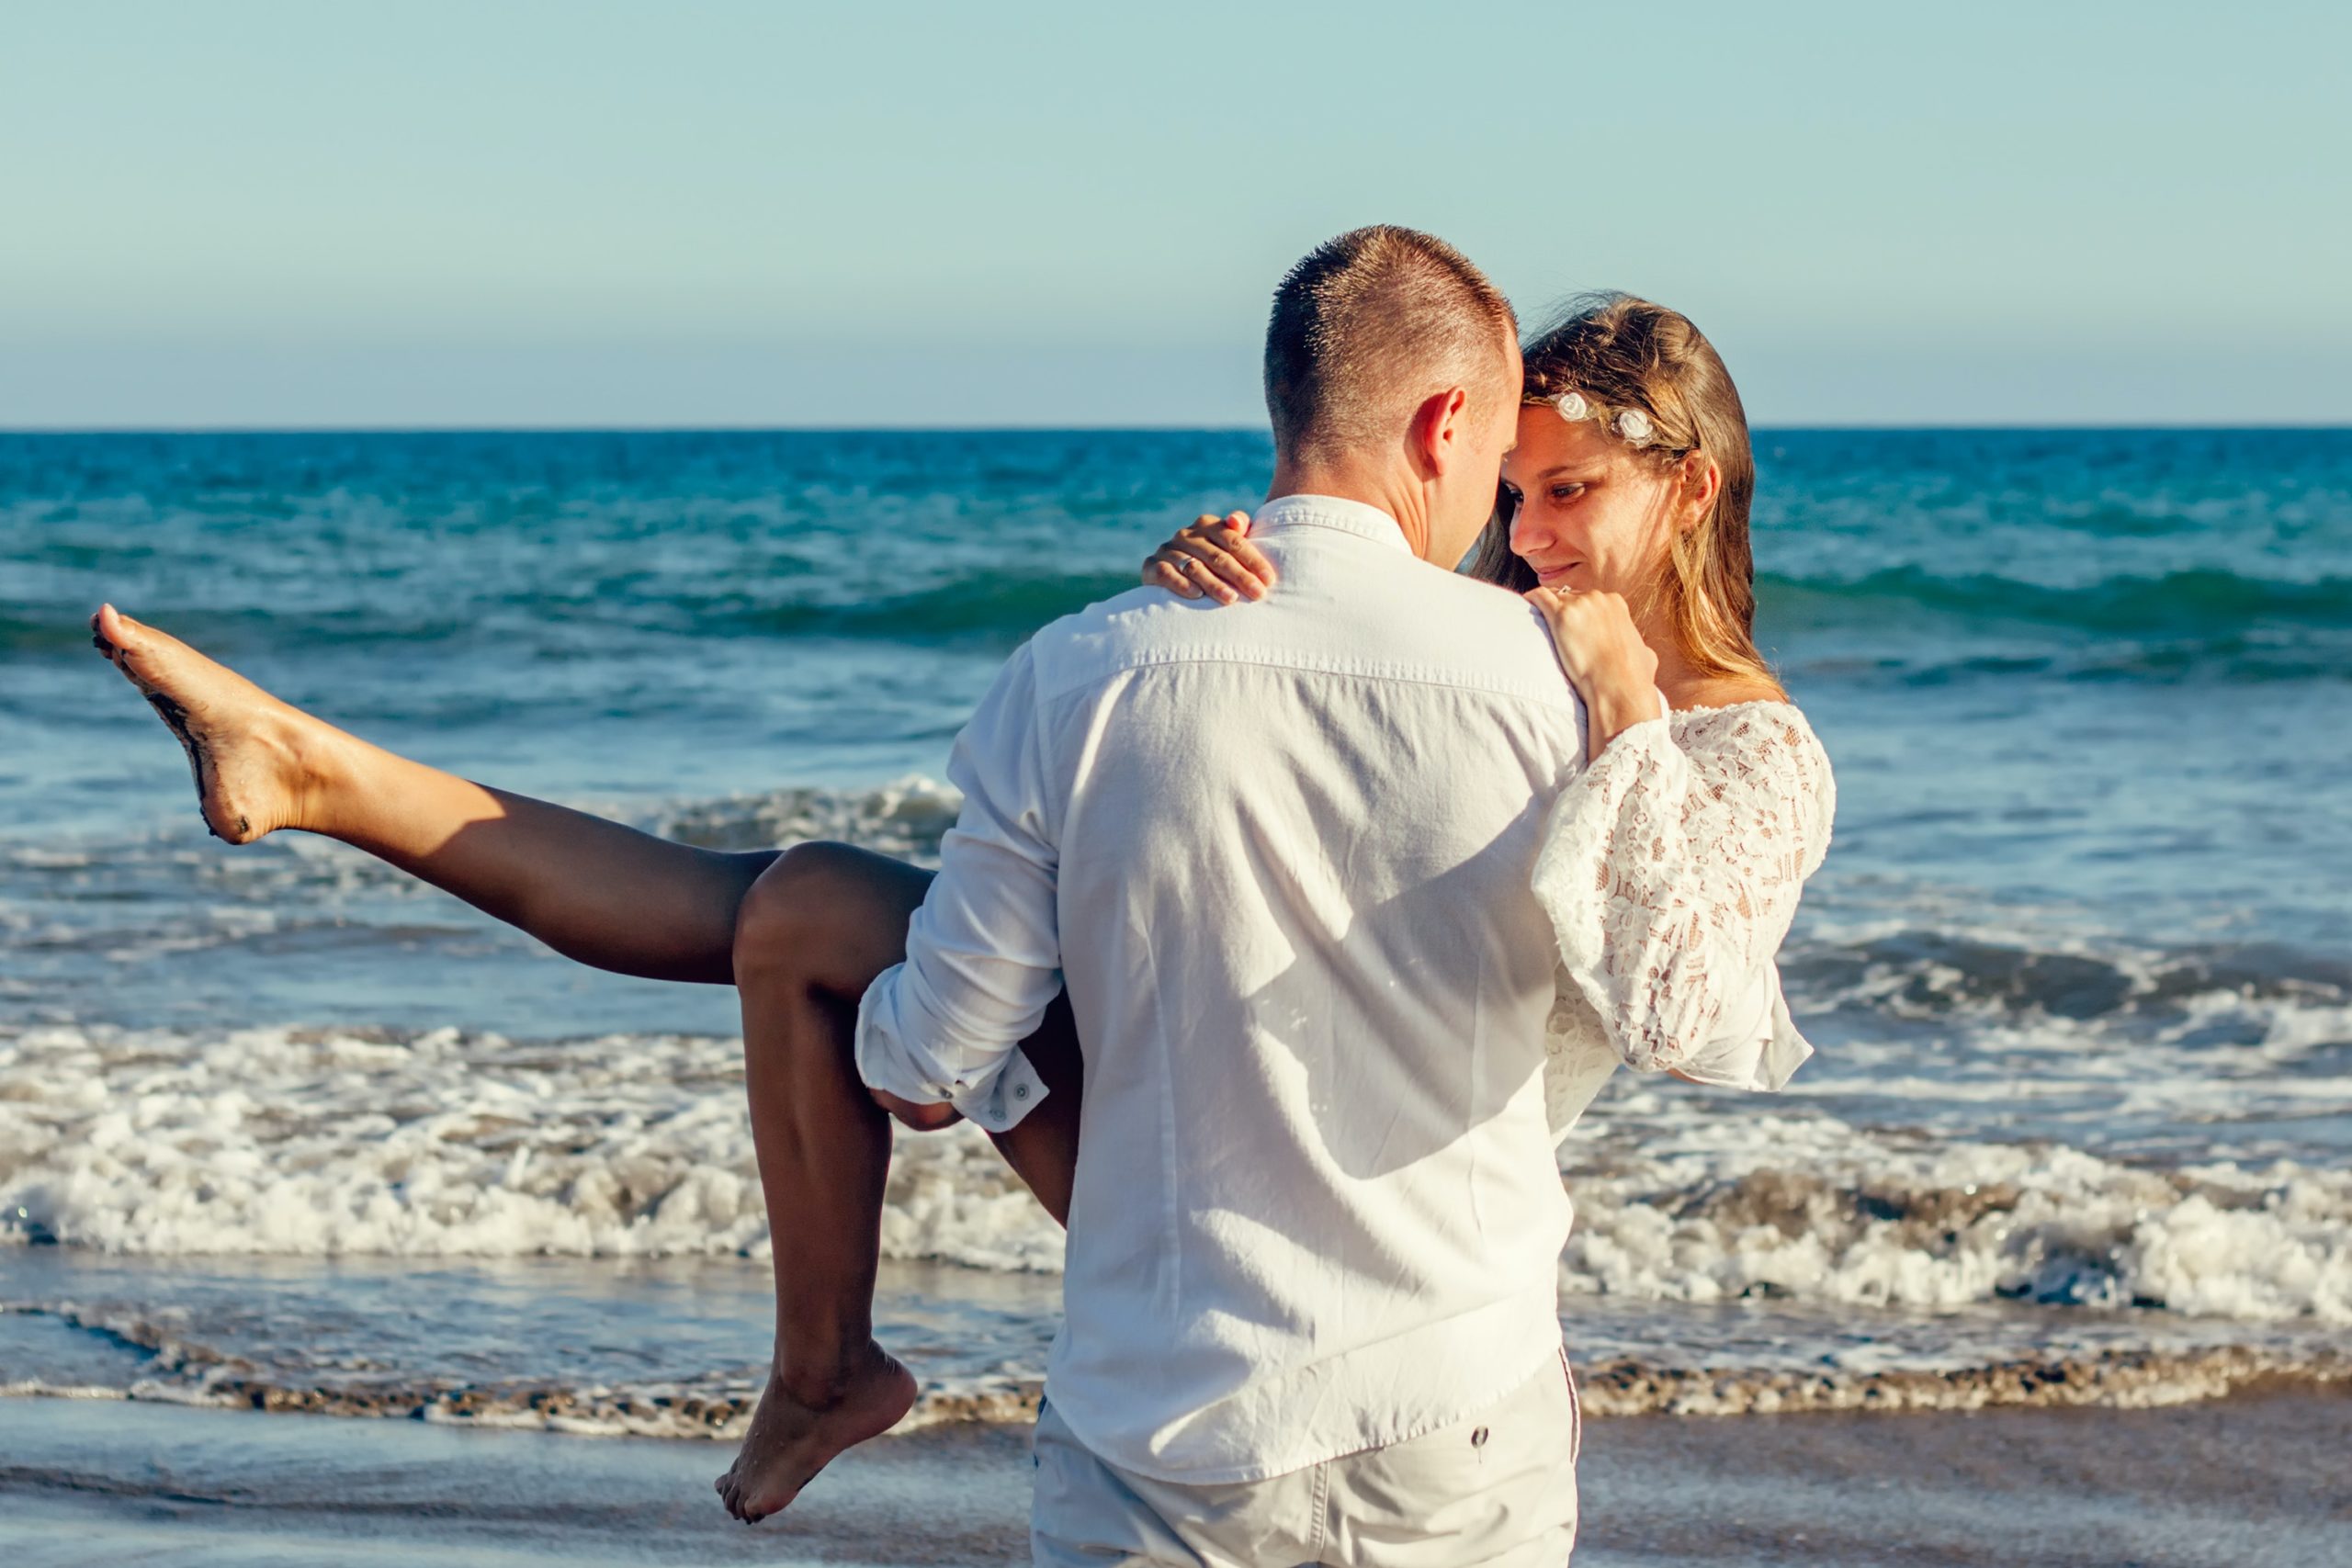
(1087, 647)
(1482, 604)
(1108, 629)
(1404, 620)
(1489, 637)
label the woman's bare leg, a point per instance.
(802, 934)
(812, 935)
(594, 891)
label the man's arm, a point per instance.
(984, 951)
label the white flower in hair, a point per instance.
(1636, 427)
(1572, 406)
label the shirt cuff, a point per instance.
(995, 1101)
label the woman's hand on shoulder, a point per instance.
(1609, 664)
(1597, 641)
(1214, 557)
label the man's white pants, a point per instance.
(1494, 1490)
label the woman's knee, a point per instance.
(831, 913)
(777, 921)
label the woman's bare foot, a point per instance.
(254, 759)
(791, 1439)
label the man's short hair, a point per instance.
(1367, 326)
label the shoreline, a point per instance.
(2253, 1478)
(1614, 1394)
(1614, 1390)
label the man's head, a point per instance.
(1391, 363)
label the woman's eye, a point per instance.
(1566, 491)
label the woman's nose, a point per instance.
(1527, 533)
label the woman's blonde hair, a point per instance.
(1624, 354)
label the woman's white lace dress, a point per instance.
(1671, 868)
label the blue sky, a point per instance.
(517, 213)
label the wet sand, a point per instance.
(2256, 1480)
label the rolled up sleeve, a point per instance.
(984, 951)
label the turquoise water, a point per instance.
(2080, 965)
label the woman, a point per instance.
(1634, 474)
(1623, 518)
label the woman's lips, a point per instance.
(1548, 575)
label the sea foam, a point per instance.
(437, 1143)
(323, 1142)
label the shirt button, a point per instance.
(1020, 1091)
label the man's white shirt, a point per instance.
(1279, 853)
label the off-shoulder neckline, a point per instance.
(1734, 707)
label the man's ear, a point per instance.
(1436, 429)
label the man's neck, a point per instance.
(1398, 497)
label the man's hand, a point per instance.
(922, 1118)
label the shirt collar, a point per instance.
(1365, 521)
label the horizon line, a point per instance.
(1834, 426)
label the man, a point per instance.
(1278, 854)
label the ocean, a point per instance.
(282, 1131)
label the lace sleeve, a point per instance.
(1671, 869)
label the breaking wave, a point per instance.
(334, 1141)
(2199, 601)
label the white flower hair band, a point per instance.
(1632, 426)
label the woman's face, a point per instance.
(1596, 516)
